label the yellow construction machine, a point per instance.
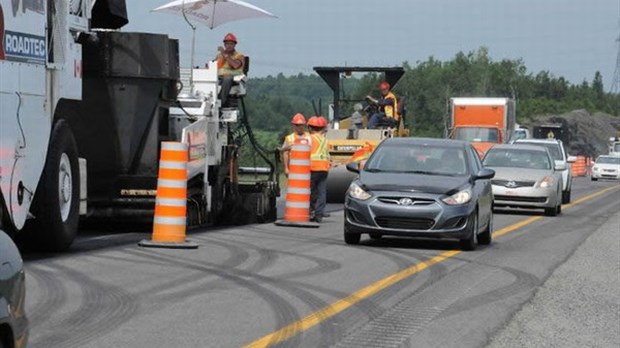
(346, 138)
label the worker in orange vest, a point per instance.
(229, 64)
(319, 167)
(388, 107)
(298, 121)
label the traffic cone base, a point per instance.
(306, 224)
(169, 245)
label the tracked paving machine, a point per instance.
(84, 109)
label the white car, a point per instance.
(558, 153)
(606, 167)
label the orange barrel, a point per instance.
(170, 220)
(579, 166)
(297, 206)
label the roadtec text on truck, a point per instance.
(83, 109)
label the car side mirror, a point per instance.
(353, 167)
(559, 166)
(571, 159)
(485, 173)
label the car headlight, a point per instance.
(547, 181)
(595, 168)
(357, 192)
(460, 197)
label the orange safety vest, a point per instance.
(290, 139)
(391, 110)
(319, 155)
(224, 69)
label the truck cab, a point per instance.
(481, 121)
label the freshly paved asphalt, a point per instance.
(244, 283)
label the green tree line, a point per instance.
(426, 87)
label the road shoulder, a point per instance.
(579, 304)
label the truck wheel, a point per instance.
(57, 198)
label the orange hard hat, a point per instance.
(298, 119)
(322, 121)
(384, 85)
(230, 37)
(314, 122)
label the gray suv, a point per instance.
(558, 153)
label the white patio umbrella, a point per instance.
(211, 13)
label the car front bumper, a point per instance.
(606, 174)
(432, 219)
(525, 197)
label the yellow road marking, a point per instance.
(590, 196)
(339, 306)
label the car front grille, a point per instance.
(409, 201)
(520, 199)
(513, 183)
(404, 223)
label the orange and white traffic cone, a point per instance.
(170, 220)
(297, 206)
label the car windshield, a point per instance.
(514, 158)
(608, 160)
(419, 159)
(554, 149)
(476, 134)
(520, 134)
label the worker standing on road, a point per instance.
(298, 121)
(229, 64)
(388, 107)
(319, 167)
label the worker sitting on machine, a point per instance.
(387, 113)
(230, 63)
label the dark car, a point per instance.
(419, 187)
(13, 321)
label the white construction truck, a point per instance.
(83, 109)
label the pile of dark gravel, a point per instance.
(588, 133)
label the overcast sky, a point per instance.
(570, 38)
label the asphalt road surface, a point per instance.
(264, 285)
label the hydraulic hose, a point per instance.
(255, 144)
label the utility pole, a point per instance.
(615, 83)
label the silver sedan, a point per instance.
(525, 177)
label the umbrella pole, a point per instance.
(191, 68)
(191, 73)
